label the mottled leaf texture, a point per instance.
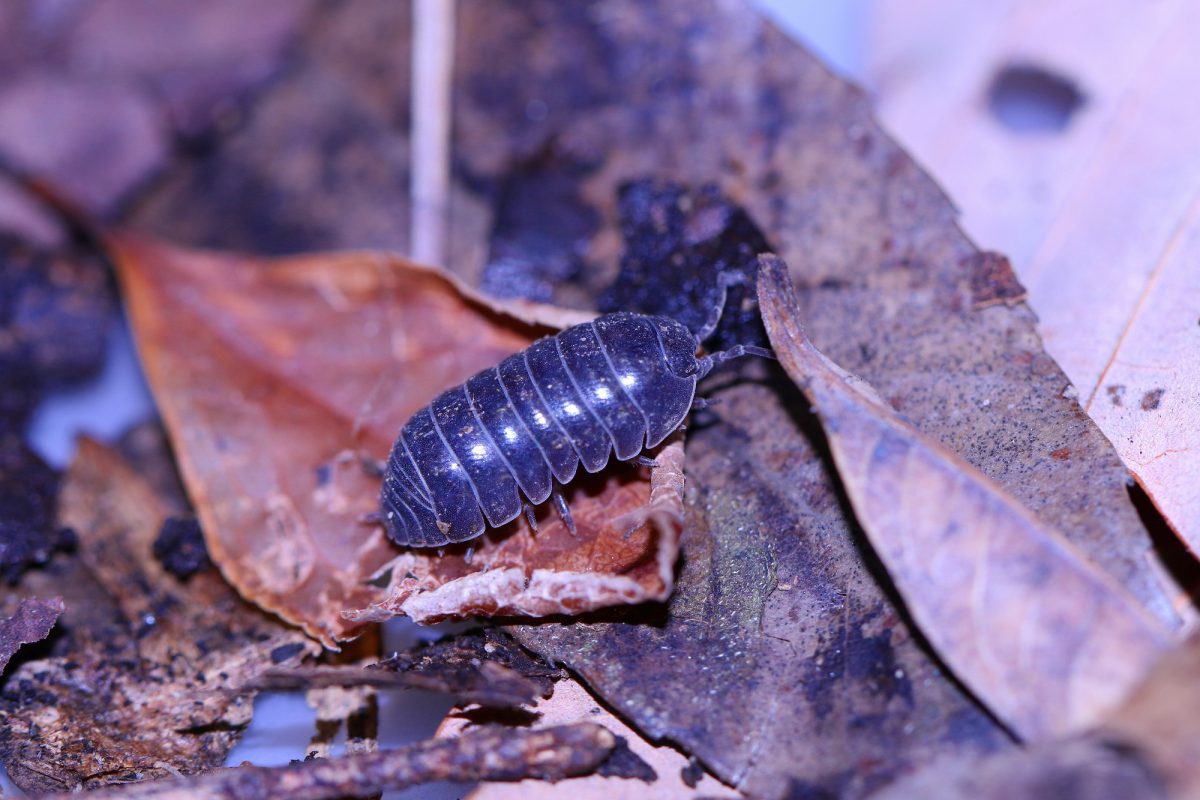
(570, 703)
(31, 622)
(1045, 639)
(1098, 205)
(500, 754)
(145, 680)
(280, 380)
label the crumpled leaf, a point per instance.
(1045, 639)
(31, 622)
(1098, 214)
(281, 379)
(571, 703)
(623, 552)
(137, 684)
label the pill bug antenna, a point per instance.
(725, 281)
(713, 360)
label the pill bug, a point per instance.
(619, 384)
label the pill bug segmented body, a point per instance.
(616, 385)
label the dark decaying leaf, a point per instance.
(282, 380)
(143, 682)
(497, 754)
(1046, 640)
(31, 622)
(1147, 747)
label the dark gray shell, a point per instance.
(616, 385)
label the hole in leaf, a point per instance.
(1029, 99)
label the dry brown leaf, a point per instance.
(147, 680)
(1101, 217)
(277, 378)
(571, 703)
(1046, 640)
(30, 622)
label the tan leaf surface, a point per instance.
(571, 703)
(1045, 639)
(1101, 218)
(278, 377)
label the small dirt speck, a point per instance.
(1152, 398)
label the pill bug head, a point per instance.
(678, 344)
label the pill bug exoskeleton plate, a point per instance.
(487, 449)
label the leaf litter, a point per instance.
(784, 661)
(283, 381)
(146, 682)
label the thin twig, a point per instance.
(490, 754)
(433, 65)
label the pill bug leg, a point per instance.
(564, 511)
(531, 518)
(643, 461)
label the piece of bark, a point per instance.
(31, 622)
(1047, 641)
(281, 379)
(460, 655)
(571, 703)
(135, 687)
(552, 754)
(1099, 213)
